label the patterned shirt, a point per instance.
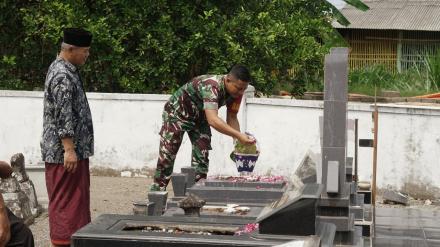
(66, 113)
(186, 106)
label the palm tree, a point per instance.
(341, 18)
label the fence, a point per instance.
(396, 50)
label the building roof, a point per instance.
(414, 15)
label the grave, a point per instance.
(296, 205)
(339, 203)
(305, 210)
(229, 190)
(232, 197)
(290, 217)
(26, 185)
(126, 230)
(19, 192)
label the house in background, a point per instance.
(398, 34)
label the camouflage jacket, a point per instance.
(66, 113)
(186, 106)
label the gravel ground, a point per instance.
(108, 195)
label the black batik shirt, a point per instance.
(66, 113)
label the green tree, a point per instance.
(154, 46)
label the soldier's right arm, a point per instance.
(210, 91)
(221, 126)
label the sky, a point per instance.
(338, 3)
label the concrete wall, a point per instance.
(408, 145)
(126, 130)
(127, 126)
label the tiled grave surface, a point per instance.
(256, 185)
(244, 192)
(214, 190)
(407, 227)
(251, 215)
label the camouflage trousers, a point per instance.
(171, 136)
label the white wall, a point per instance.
(408, 145)
(126, 130)
(127, 126)
(20, 125)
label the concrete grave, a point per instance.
(297, 206)
(159, 198)
(26, 185)
(179, 184)
(338, 204)
(190, 175)
(294, 214)
(307, 169)
(16, 200)
(143, 208)
(390, 196)
(125, 230)
(191, 205)
(227, 191)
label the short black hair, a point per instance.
(240, 72)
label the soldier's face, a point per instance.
(235, 87)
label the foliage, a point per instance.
(245, 148)
(7, 64)
(146, 46)
(411, 82)
(433, 69)
(377, 75)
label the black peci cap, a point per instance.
(77, 37)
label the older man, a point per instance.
(67, 140)
(194, 109)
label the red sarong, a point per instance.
(69, 200)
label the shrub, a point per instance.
(146, 46)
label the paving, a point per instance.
(407, 227)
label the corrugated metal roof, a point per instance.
(419, 15)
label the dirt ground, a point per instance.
(113, 195)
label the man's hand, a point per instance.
(245, 139)
(70, 160)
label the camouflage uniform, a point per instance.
(184, 112)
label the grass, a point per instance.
(410, 83)
(422, 78)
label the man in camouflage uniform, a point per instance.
(193, 108)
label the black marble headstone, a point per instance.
(295, 214)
